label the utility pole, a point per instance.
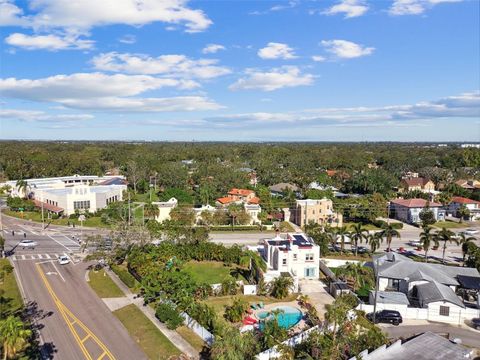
(43, 219)
(129, 210)
(376, 291)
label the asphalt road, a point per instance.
(73, 322)
(469, 337)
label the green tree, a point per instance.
(272, 333)
(14, 336)
(427, 216)
(358, 234)
(280, 287)
(235, 312)
(230, 344)
(374, 241)
(389, 232)
(2, 246)
(444, 235)
(22, 186)
(426, 239)
(463, 212)
(341, 233)
(151, 210)
(465, 241)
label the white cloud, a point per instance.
(351, 8)
(68, 14)
(33, 115)
(466, 105)
(128, 39)
(170, 65)
(318, 58)
(346, 49)
(97, 91)
(10, 14)
(212, 48)
(278, 78)
(415, 7)
(275, 50)
(289, 5)
(48, 42)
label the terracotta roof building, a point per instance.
(408, 210)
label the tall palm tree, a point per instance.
(358, 234)
(341, 233)
(426, 238)
(281, 286)
(464, 241)
(374, 241)
(151, 210)
(14, 336)
(22, 185)
(388, 233)
(445, 235)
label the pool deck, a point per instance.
(299, 326)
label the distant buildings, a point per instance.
(281, 188)
(244, 197)
(417, 183)
(408, 210)
(315, 211)
(469, 184)
(472, 205)
(164, 209)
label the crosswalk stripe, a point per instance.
(40, 256)
(47, 256)
(23, 257)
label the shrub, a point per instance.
(237, 228)
(168, 315)
(124, 275)
(382, 223)
(234, 313)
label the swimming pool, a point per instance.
(288, 317)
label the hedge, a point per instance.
(381, 223)
(237, 228)
(168, 315)
(124, 275)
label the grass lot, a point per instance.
(145, 333)
(219, 302)
(192, 338)
(450, 224)
(210, 272)
(348, 256)
(94, 221)
(103, 285)
(146, 197)
(11, 292)
(350, 225)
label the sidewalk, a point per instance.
(172, 335)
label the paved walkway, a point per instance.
(319, 297)
(131, 298)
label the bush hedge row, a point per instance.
(124, 275)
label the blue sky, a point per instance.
(343, 70)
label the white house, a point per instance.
(68, 200)
(164, 209)
(472, 205)
(295, 254)
(408, 210)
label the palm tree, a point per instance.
(464, 241)
(14, 336)
(22, 185)
(463, 212)
(426, 238)
(151, 210)
(445, 235)
(388, 233)
(358, 234)
(341, 233)
(281, 286)
(374, 241)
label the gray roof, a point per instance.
(427, 346)
(282, 186)
(433, 292)
(391, 297)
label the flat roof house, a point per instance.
(316, 211)
(408, 210)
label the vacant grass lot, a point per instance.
(450, 224)
(349, 226)
(14, 301)
(103, 285)
(210, 272)
(146, 334)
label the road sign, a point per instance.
(82, 218)
(21, 209)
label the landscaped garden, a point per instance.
(212, 272)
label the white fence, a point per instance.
(456, 315)
(273, 353)
(339, 262)
(198, 329)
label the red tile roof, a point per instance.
(240, 192)
(225, 200)
(254, 200)
(462, 200)
(48, 207)
(416, 181)
(415, 203)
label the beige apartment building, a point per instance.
(316, 211)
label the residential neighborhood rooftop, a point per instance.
(415, 203)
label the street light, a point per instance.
(81, 218)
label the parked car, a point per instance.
(415, 243)
(360, 250)
(63, 260)
(27, 243)
(471, 232)
(476, 323)
(386, 316)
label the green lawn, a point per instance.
(210, 272)
(350, 225)
(192, 338)
(450, 224)
(103, 285)
(145, 197)
(14, 301)
(146, 334)
(94, 221)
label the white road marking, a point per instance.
(59, 243)
(40, 256)
(59, 273)
(47, 256)
(23, 257)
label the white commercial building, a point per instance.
(164, 209)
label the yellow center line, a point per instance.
(66, 314)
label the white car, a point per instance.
(63, 260)
(471, 232)
(27, 243)
(414, 243)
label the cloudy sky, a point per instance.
(348, 70)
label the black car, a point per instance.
(386, 316)
(476, 323)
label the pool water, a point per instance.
(289, 316)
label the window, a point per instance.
(284, 261)
(80, 205)
(309, 257)
(295, 256)
(444, 310)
